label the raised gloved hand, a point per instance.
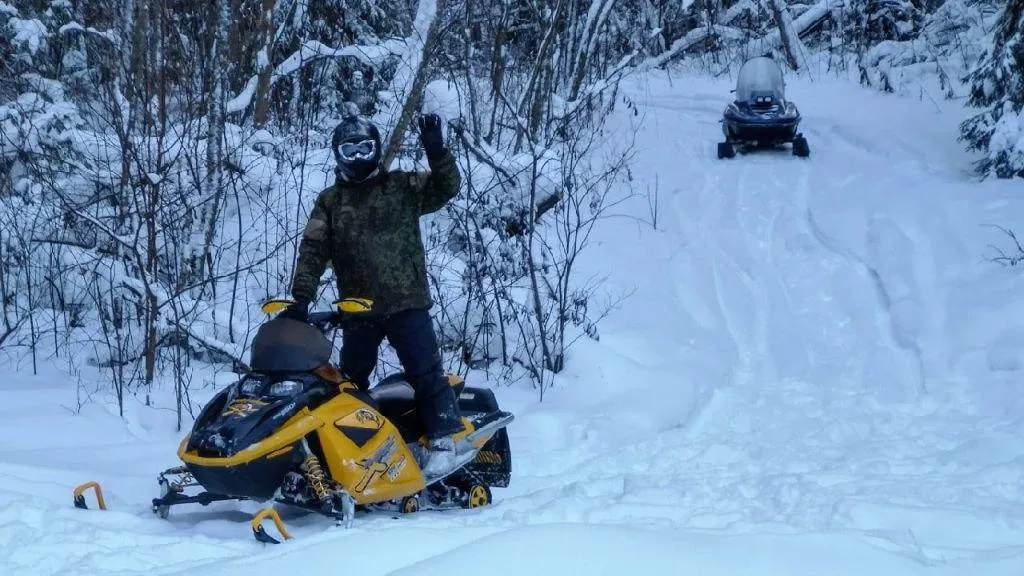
(297, 311)
(430, 135)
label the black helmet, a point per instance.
(356, 145)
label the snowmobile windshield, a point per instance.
(285, 345)
(760, 77)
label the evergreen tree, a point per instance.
(997, 87)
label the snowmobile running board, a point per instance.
(260, 534)
(79, 494)
(204, 498)
(487, 426)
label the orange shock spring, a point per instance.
(315, 477)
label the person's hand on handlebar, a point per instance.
(296, 311)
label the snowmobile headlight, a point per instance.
(284, 388)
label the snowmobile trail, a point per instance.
(816, 328)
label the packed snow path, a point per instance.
(817, 374)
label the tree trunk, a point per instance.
(499, 62)
(414, 92)
(791, 44)
(263, 67)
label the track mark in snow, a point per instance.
(884, 316)
(758, 243)
(734, 289)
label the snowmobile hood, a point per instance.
(236, 428)
(760, 77)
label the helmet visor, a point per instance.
(360, 150)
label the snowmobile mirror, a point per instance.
(275, 306)
(354, 305)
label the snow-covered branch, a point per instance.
(408, 83)
(313, 51)
(692, 39)
(75, 27)
(801, 25)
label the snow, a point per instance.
(578, 550)
(442, 98)
(76, 27)
(28, 32)
(817, 372)
(244, 98)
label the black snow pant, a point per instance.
(411, 334)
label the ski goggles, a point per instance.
(361, 150)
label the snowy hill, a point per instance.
(817, 372)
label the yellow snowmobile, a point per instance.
(296, 431)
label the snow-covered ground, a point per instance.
(818, 372)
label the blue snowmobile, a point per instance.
(760, 116)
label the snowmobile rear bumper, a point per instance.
(493, 463)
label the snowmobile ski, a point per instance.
(261, 534)
(79, 494)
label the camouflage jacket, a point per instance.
(371, 235)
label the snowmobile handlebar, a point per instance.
(325, 320)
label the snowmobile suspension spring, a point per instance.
(315, 477)
(185, 480)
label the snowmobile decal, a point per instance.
(242, 408)
(488, 457)
(373, 471)
(395, 469)
(358, 436)
(361, 418)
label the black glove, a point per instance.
(430, 135)
(297, 311)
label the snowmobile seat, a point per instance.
(396, 389)
(395, 398)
